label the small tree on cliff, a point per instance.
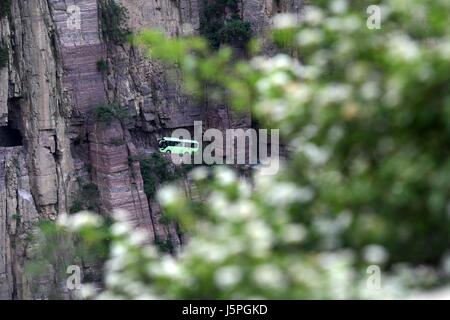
(221, 24)
(114, 19)
(106, 113)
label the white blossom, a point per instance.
(339, 6)
(269, 276)
(285, 21)
(228, 276)
(375, 254)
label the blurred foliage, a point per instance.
(86, 244)
(365, 114)
(114, 19)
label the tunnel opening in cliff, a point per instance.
(10, 137)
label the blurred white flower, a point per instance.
(285, 21)
(269, 276)
(351, 24)
(121, 229)
(375, 254)
(260, 236)
(402, 47)
(63, 220)
(259, 62)
(393, 92)
(334, 93)
(331, 260)
(169, 195)
(208, 251)
(294, 233)
(219, 204)
(357, 72)
(443, 48)
(88, 291)
(309, 37)
(113, 279)
(279, 78)
(335, 133)
(346, 48)
(321, 58)
(199, 173)
(118, 250)
(286, 193)
(80, 220)
(138, 237)
(339, 6)
(313, 15)
(310, 73)
(330, 229)
(315, 154)
(168, 267)
(120, 215)
(370, 90)
(245, 190)
(283, 61)
(263, 85)
(309, 131)
(227, 277)
(225, 176)
(245, 210)
(333, 24)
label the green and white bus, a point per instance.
(177, 146)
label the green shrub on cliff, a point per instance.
(106, 113)
(156, 170)
(4, 56)
(114, 19)
(88, 198)
(102, 66)
(5, 6)
(221, 24)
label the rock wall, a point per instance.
(18, 215)
(80, 48)
(48, 91)
(37, 175)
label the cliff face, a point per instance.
(51, 144)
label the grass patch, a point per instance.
(116, 141)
